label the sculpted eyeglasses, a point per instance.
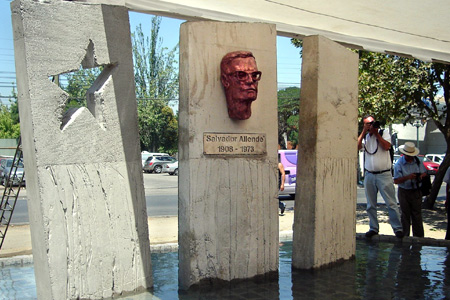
(242, 76)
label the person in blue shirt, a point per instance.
(408, 173)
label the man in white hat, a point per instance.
(408, 173)
(378, 176)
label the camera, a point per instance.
(376, 124)
(418, 177)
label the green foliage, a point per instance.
(9, 129)
(78, 84)
(299, 44)
(288, 114)
(156, 78)
(155, 67)
(392, 88)
(14, 107)
(158, 127)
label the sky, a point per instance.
(288, 57)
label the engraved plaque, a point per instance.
(234, 143)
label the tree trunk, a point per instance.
(437, 182)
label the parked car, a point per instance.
(289, 160)
(431, 167)
(171, 168)
(5, 169)
(437, 158)
(5, 158)
(145, 155)
(155, 163)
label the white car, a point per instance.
(145, 155)
(436, 158)
(171, 168)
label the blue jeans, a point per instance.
(383, 183)
(281, 205)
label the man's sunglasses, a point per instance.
(242, 76)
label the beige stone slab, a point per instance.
(326, 181)
(227, 203)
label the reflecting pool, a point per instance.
(379, 271)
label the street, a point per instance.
(161, 195)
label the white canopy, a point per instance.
(415, 28)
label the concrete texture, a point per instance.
(84, 181)
(228, 225)
(324, 230)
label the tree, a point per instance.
(392, 88)
(397, 89)
(14, 107)
(158, 126)
(156, 85)
(9, 129)
(155, 69)
(288, 114)
(438, 78)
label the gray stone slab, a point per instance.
(85, 189)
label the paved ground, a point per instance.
(164, 230)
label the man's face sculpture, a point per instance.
(240, 76)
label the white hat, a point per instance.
(409, 149)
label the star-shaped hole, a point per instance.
(85, 91)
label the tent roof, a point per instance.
(408, 27)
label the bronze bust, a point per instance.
(239, 76)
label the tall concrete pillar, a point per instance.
(324, 220)
(85, 190)
(228, 215)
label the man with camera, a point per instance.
(408, 174)
(378, 177)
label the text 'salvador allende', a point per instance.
(232, 139)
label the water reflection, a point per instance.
(165, 274)
(401, 271)
(337, 282)
(379, 271)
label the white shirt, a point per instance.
(375, 157)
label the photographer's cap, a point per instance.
(409, 149)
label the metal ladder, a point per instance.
(10, 195)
